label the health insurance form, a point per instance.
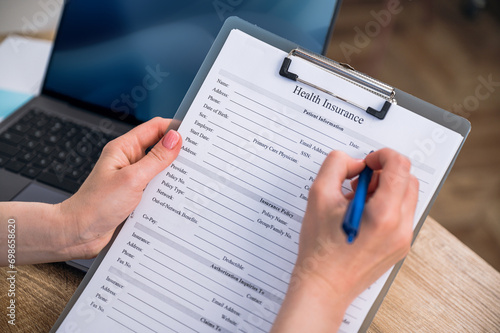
(213, 242)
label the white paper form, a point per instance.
(213, 242)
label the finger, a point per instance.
(394, 174)
(336, 168)
(371, 187)
(410, 201)
(408, 207)
(158, 158)
(135, 142)
(373, 182)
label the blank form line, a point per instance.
(210, 254)
(261, 104)
(262, 158)
(313, 172)
(159, 322)
(271, 311)
(210, 210)
(166, 278)
(234, 233)
(253, 111)
(159, 295)
(220, 193)
(260, 125)
(265, 238)
(169, 316)
(230, 209)
(149, 328)
(272, 242)
(318, 142)
(356, 307)
(185, 277)
(350, 315)
(251, 174)
(245, 190)
(295, 120)
(169, 291)
(302, 210)
(116, 321)
(204, 217)
(245, 261)
(180, 263)
(239, 247)
(269, 172)
(227, 173)
(347, 189)
(257, 134)
(316, 130)
(268, 309)
(256, 315)
(423, 181)
(267, 284)
(257, 327)
(211, 122)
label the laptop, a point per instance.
(118, 63)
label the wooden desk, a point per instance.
(442, 287)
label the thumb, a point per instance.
(159, 157)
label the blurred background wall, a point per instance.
(25, 15)
(447, 53)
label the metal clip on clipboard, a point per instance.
(345, 72)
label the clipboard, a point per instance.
(387, 106)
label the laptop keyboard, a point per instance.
(51, 150)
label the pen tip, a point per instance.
(350, 238)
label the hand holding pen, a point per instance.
(332, 272)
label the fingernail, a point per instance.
(171, 139)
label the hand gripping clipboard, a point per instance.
(390, 99)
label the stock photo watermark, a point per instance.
(226, 8)
(372, 29)
(484, 89)
(39, 21)
(11, 273)
(49, 9)
(139, 93)
(123, 106)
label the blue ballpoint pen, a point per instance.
(352, 217)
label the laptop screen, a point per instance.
(134, 60)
